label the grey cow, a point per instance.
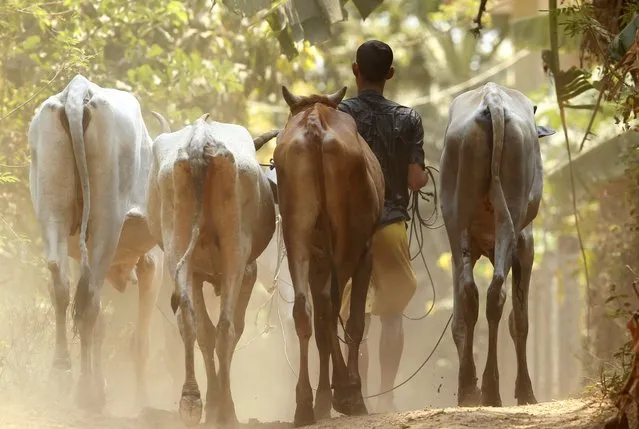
(491, 187)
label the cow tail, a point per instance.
(198, 165)
(498, 200)
(78, 115)
(498, 122)
(314, 132)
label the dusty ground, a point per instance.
(569, 414)
(262, 381)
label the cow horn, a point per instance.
(262, 139)
(205, 117)
(163, 122)
(289, 97)
(337, 97)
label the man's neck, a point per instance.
(370, 87)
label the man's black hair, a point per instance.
(374, 59)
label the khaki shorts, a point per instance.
(393, 282)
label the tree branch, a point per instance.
(477, 21)
(34, 95)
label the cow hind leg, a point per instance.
(297, 238)
(494, 309)
(86, 312)
(205, 332)
(149, 281)
(304, 412)
(99, 331)
(190, 401)
(248, 282)
(56, 254)
(502, 259)
(228, 337)
(350, 396)
(465, 314)
(518, 320)
(319, 274)
(226, 330)
(55, 244)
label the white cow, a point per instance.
(90, 159)
(212, 212)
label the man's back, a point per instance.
(395, 134)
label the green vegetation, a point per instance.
(185, 58)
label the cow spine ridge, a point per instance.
(315, 133)
(74, 108)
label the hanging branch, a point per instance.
(554, 64)
(477, 20)
(604, 83)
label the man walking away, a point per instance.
(396, 135)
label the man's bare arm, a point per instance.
(417, 176)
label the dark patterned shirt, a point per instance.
(396, 135)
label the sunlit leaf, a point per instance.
(31, 42)
(177, 8)
(154, 51)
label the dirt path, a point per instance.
(569, 414)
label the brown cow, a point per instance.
(331, 191)
(211, 210)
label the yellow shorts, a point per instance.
(393, 282)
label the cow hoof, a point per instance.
(304, 415)
(61, 380)
(350, 408)
(227, 422)
(526, 399)
(359, 409)
(323, 405)
(468, 397)
(190, 409)
(349, 401)
(91, 399)
(211, 414)
(491, 400)
(62, 364)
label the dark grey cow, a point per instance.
(491, 186)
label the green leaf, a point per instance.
(31, 42)
(177, 8)
(154, 51)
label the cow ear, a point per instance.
(534, 109)
(544, 131)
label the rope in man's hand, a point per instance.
(416, 230)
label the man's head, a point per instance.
(373, 65)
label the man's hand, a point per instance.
(417, 177)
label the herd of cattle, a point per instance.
(196, 202)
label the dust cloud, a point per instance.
(263, 371)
